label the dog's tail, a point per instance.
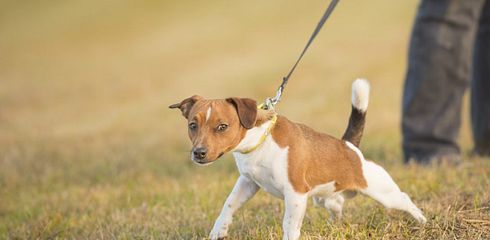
(360, 100)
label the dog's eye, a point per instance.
(192, 126)
(222, 127)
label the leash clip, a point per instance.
(269, 103)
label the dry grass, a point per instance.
(88, 148)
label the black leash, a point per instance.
(271, 102)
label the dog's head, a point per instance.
(216, 126)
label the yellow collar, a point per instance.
(263, 137)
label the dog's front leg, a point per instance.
(295, 204)
(244, 190)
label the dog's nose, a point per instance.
(200, 153)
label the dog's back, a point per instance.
(316, 158)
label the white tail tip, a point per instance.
(360, 94)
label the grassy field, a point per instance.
(89, 150)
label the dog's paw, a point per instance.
(419, 216)
(219, 233)
(421, 219)
(318, 201)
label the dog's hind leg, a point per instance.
(383, 189)
(333, 205)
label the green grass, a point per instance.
(89, 150)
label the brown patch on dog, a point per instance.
(316, 158)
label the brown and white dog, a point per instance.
(289, 160)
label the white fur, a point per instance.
(295, 208)
(208, 114)
(266, 166)
(383, 189)
(360, 94)
(252, 137)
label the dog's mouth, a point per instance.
(204, 162)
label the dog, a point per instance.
(288, 160)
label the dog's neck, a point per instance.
(254, 137)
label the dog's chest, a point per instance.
(266, 166)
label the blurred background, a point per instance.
(87, 143)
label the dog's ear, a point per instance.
(186, 105)
(247, 110)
